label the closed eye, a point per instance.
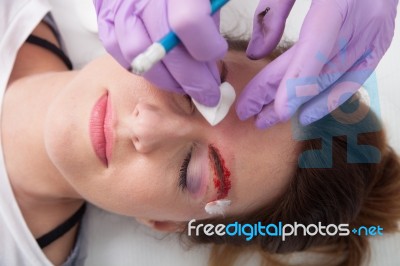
(183, 170)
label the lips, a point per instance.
(100, 129)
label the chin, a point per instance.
(64, 142)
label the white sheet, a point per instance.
(117, 240)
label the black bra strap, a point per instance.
(63, 228)
(50, 47)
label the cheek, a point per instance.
(132, 191)
(137, 179)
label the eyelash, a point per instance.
(183, 170)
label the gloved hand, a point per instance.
(128, 27)
(340, 45)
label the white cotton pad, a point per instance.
(217, 206)
(216, 114)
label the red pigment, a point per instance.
(222, 174)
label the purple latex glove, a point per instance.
(340, 45)
(128, 27)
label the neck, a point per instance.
(44, 197)
(31, 172)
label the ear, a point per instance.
(163, 226)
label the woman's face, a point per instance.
(134, 149)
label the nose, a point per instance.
(153, 127)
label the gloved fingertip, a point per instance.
(264, 122)
(311, 116)
(267, 117)
(209, 98)
(125, 64)
(221, 51)
(242, 115)
(284, 111)
(306, 120)
(255, 48)
(251, 55)
(261, 125)
(245, 110)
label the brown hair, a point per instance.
(355, 190)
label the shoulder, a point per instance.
(18, 18)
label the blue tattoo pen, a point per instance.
(146, 60)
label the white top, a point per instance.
(18, 18)
(18, 246)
